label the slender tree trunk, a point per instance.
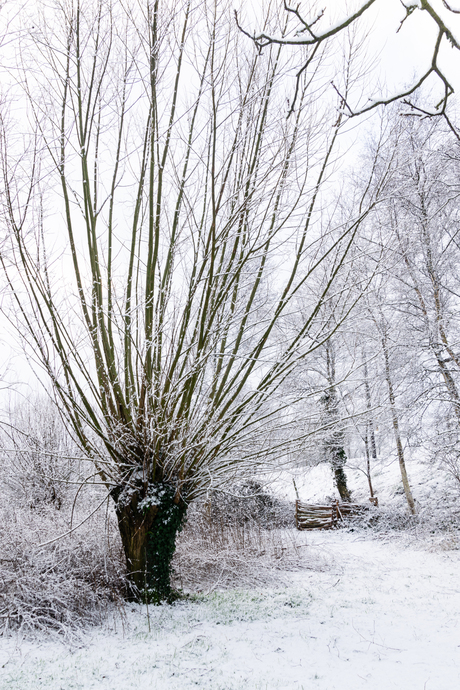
(368, 467)
(333, 446)
(369, 438)
(399, 448)
(149, 521)
(370, 423)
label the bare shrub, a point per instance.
(237, 540)
(439, 514)
(63, 586)
(450, 461)
(381, 520)
(38, 456)
(71, 581)
(249, 502)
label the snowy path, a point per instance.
(381, 616)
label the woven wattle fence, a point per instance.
(309, 516)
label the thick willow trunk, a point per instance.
(149, 521)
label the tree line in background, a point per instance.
(186, 271)
(394, 366)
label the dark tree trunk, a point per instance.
(149, 520)
(340, 476)
(335, 454)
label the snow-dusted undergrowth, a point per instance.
(382, 615)
(372, 606)
(65, 585)
(53, 585)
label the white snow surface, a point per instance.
(371, 613)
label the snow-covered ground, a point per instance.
(371, 613)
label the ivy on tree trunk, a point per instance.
(149, 520)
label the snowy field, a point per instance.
(369, 613)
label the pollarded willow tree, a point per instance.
(161, 219)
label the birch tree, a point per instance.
(422, 220)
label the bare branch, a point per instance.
(263, 39)
(306, 26)
(448, 7)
